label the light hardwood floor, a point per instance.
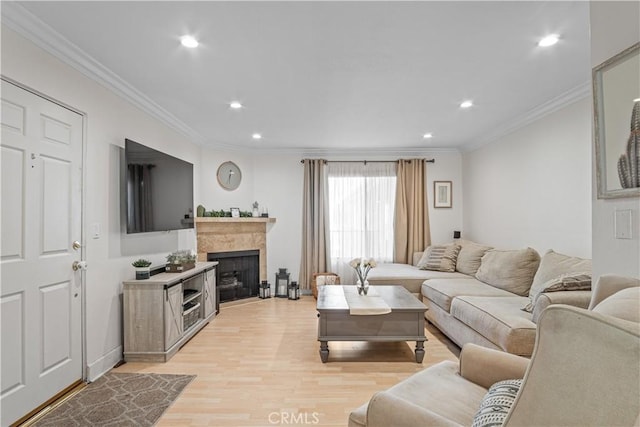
(257, 363)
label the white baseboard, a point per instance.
(104, 364)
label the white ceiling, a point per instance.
(316, 76)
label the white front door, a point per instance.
(41, 158)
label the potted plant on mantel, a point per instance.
(142, 268)
(180, 261)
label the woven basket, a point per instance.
(314, 282)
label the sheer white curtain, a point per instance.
(361, 213)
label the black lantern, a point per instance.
(265, 290)
(294, 291)
(282, 283)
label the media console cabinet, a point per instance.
(165, 311)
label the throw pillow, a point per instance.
(495, 405)
(470, 256)
(511, 270)
(440, 258)
(555, 266)
(564, 282)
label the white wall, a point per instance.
(533, 187)
(614, 27)
(109, 120)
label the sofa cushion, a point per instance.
(624, 304)
(440, 258)
(511, 270)
(555, 266)
(442, 291)
(438, 388)
(500, 320)
(564, 282)
(470, 256)
(497, 403)
(406, 275)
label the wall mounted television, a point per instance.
(159, 190)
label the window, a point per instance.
(361, 211)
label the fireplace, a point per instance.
(238, 274)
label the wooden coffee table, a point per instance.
(404, 323)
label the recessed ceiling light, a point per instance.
(549, 40)
(256, 136)
(235, 105)
(189, 41)
(427, 135)
(466, 104)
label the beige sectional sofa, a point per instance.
(483, 300)
(584, 372)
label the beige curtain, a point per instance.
(411, 231)
(315, 222)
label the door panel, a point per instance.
(12, 203)
(41, 329)
(12, 309)
(56, 325)
(56, 204)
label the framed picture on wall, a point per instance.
(616, 96)
(442, 194)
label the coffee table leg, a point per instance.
(419, 351)
(324, 351)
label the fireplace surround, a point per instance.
(229, 235)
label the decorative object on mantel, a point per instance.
(200, 211)
(180, 261)
(362, 266)
(227, 214)
(142, 268)
(255, 213)
(265, 213)
(616, 91)
(294, 291)
(264, 290)
(282, 283)
(442, 194)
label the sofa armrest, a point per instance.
(386, 409)
(579, 299)
(485, 366)
(609, 284)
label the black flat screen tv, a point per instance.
(159, 190)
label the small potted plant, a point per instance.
(142, 268)
(255, 212)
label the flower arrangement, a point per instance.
(362, 266)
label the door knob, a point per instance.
(76, 245)
(79, 265)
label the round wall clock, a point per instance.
(229, 176)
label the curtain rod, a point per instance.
(372, 161)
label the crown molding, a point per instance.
(569, 97)
(42, 35)
(314, 151)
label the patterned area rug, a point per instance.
(119, 400)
